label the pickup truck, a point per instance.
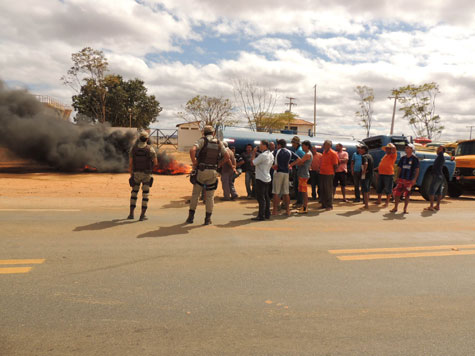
(426, 159)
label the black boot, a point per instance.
(131, 215)
(142, 215)
(207, 219)
(191, 216)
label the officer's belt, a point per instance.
(203, 166)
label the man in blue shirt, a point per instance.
(406, 177)
(437, 182)
(356, 161)
(300, 153)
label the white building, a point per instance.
(188, 134)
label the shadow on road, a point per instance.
(102, 225)
(179, 229)
(428, 213)
(394, 216)
(351, 213)
(184, 201)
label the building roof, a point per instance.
(197, 123)
(301, 122)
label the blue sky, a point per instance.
(182, 48)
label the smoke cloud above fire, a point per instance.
(30, 130)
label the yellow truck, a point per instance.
(464, 176)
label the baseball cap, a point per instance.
(410, 145)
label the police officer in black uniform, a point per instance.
(142, 159)
(210, 151)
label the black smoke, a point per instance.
(30, 130)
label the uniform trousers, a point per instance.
(140, 178)
(209, 178)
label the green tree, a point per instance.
(366, 100)
(212, 111)
(126, 102)
(418, 106)
(90, 66)
(278, 121)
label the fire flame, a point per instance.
(172, 168)
(88, 168)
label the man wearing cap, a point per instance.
(386, 173)
(205, 156)
(407, 173)
(142, 159)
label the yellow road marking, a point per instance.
(22, 262)
(14, 270)
(405, 255)
(400, 249)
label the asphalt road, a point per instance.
(321, 284)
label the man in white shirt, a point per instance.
(263, 164)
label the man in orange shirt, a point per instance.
(328, 164)
(386, 173)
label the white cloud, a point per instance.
(370, 43)
(270, 45)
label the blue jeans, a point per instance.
(250, 183)
(357, 182)
(366, 184)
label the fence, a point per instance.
(162, 137)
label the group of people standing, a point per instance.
(268, 168)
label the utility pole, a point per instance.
(314, 110)
(290, 103)
(470, 127)
(394, 113)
